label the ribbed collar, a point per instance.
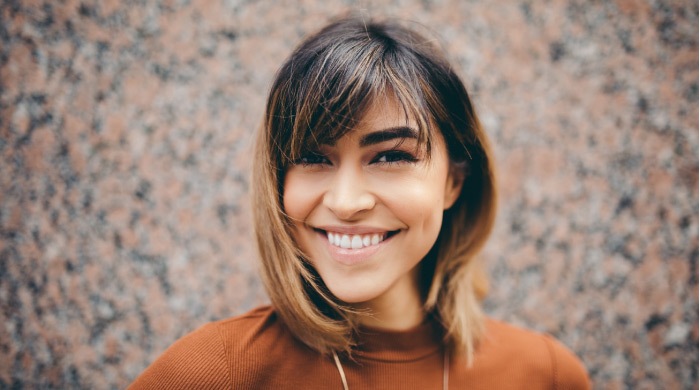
(399, 346)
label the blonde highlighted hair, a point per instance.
(319, 94)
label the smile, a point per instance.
(355, 241)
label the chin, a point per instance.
(354, 295)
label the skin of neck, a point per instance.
(399, 308)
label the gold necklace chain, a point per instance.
(445, 371)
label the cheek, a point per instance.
(418, 203)
(299, 196)
(292, 199)
(417, 191)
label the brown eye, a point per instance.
(312, 159)
(394, 156)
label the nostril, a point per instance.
(346, 207)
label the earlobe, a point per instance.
(453, 187)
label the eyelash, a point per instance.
(391, 156)
(316, 159)
(395, 157)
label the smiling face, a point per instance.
(368, 208)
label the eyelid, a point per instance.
(315, 155)
(404, 157)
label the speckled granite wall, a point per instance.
(125, 145)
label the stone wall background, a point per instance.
(125, 139)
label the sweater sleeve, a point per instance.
(569, 373)
(196, 361)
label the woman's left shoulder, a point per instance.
(534, 353)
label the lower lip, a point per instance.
(353, 256)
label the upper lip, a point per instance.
(352, 229)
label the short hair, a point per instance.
(319, 94)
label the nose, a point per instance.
(348, 195)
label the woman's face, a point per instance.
(367, 209)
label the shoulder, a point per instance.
(204, 358)
(534, 355)
(250, 325)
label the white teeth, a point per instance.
(354, 241)
(345, 242)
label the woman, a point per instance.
(374, 191)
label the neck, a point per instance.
(399, 308)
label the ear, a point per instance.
(453, 185)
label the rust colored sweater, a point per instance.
(256, 351)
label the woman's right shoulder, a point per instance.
(249, 325)
(210, 356)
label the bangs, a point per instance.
(326, 88)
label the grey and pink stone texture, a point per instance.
(126, 133)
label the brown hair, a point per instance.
(318, 95)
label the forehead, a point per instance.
(383, 109)
(383, 113)
(388, 121)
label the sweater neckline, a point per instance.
(386, 345)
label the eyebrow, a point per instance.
(388, 135)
